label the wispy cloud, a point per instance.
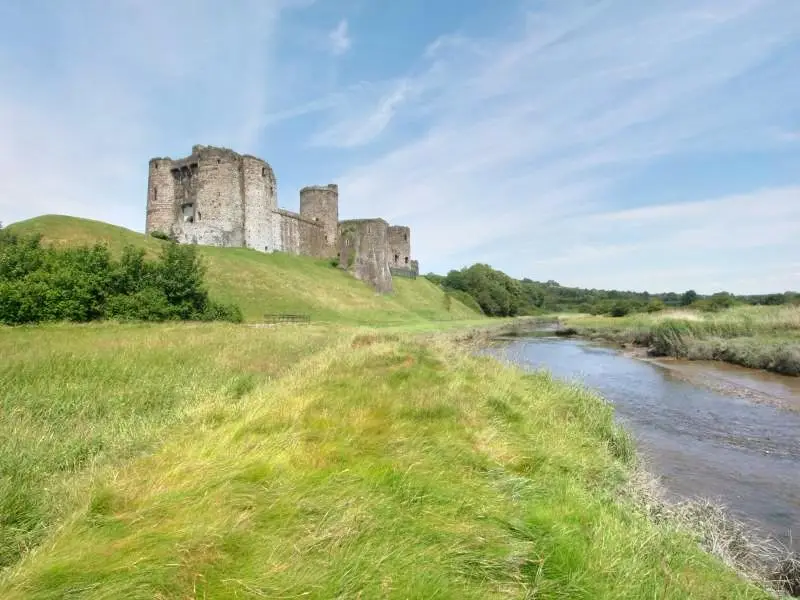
(128, 83)
(340, 38)
(529, 133)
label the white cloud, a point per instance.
(527, 134)
(77, 138)
(340, 38)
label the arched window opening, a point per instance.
(406, 260)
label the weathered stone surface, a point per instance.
(299, 235)
(363, 251)
(214, 196)
(399, 239)
(321, 205)
(218, 197)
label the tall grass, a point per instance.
(763, 337)
(235, 462)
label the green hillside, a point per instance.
(263, 283)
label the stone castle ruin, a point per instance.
(217, 197)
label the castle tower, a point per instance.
(214, 197)
(399, 239)
(260, 202)
(320, 203)
(160, 196)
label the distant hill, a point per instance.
(263, 283)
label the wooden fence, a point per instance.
(287, 318)
(401, 272)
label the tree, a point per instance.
(688, 298)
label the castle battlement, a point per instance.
(218, 197)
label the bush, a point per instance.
(84, 284)
(620, 309)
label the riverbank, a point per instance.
(760, 337)
(213, 460)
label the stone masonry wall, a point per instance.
(218, 197)
(260, 200)
(299, 236)
(399, 238)
(207, 197)
(363, 251)
(161, 210)
(321, 204)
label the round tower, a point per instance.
(160, 196)
(320, 203)
(260, 201)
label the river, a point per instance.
(707, 430)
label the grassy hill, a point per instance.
(262, 283)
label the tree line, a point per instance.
(498, 294)
(42, 283)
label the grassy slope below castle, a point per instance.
(224, 461)
(262, 283)
(761, 337)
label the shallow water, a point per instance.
(730, 442)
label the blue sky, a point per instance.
(602, 143)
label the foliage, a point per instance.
(528, 297)
(86, 283)
(688, 298)
(496, 293)
(620, 309)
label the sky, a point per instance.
(598, 143)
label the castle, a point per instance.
(218, 197)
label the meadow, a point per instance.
(760, 337)
(324, 461)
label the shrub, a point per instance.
(85, 284)
(620, 309)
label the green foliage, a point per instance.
(655, 305)
(688, 298)
(620, 309)
(496, 293)
(717, 302)
(86, 283)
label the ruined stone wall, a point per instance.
(321, 204)
(161, 210)
(399, 239)
(363, 251)
(298, 235)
